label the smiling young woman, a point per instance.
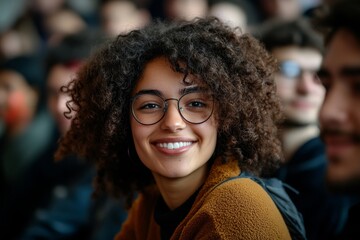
(169, 113)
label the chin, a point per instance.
(176, 174)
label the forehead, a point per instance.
(158, 74)
(343, 51)
(305, 56)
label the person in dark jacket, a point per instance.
(298, 49)
(71, 212)
(340, 112)
(26, 136)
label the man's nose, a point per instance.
(335, 106)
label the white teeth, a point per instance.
(174, 145)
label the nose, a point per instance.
(334, 111)
(172, 120)
(306, 83)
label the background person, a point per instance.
(121, 16)
(26, 136)
(298, 48)
(340, 114)
(70, 211)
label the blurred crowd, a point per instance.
(43, 43)
(28, 26)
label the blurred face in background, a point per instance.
(230, 14)
(340, 112)
(59, 75)
(46, 7)
(18, 100)
(62, 23)
(282, 9)
(298, 86)
(185, 9)
(121, 17)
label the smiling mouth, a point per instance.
(174, 145)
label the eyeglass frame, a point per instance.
(165, 101)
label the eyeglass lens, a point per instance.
(292, 69)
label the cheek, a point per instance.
(207, 132)
(320, 93)
(139, 133)
(284, 88)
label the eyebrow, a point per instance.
(182, 91)
(148, 91)
(191, 89)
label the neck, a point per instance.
(294, 137)
(175, 191)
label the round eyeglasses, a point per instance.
(194, 107)
(292, 69)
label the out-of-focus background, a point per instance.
(30, 25)
(42, 45)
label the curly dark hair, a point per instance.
(234, 66)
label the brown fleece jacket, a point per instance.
(237, 209)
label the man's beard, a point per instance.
(350, 186)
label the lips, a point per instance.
(302, 104)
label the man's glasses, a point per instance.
(292, 69)
(194, 107)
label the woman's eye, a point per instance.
(150, 106)
(197, 104)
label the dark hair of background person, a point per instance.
(343, 14)
(234, 66)
(297, 32)
(31, 67)
(65, 53)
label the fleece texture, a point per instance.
(238, 209)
